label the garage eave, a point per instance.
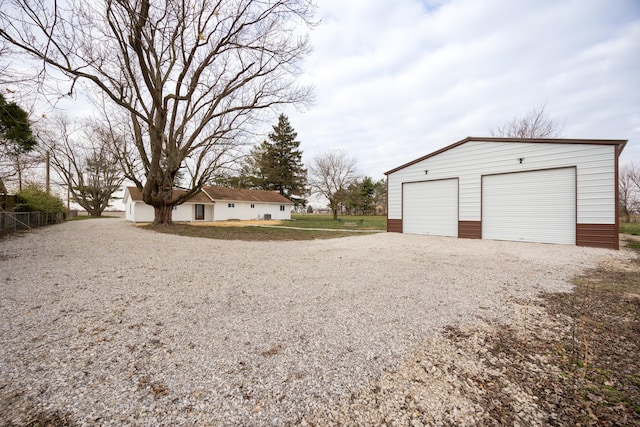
(620, 143)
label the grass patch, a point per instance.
(634, 244)
(85, 217)
(249, 233)
(355, 222)
(300, 227)
(632, 228)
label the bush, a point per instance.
(33, 198)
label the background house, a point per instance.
(214, 204)
(534, 190)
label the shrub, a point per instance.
(33, 198)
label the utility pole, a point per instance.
(69, 189)
(48, 160)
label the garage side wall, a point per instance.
(595, 182)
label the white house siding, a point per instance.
(215, 208)
(128, 210)
(595, 174)
(273, 209)
(187, 212)
(244, 211)
(141, 212)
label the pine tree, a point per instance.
(276, 164)
(15, 129)
(16, 140)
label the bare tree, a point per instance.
(629, 191)
(83, 157)
(189, 77)
(535, 124)
(332, 172)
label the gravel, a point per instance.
(104, 323)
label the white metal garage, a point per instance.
(522, 189)
(431, 207)
(535, 206)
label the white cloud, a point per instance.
(397, 80)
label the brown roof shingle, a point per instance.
(223, 193)
(244, 195)
(199, 197)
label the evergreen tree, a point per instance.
(15, 129)
(276, 164)
(380, 195)
(16, 140)
(360, 198)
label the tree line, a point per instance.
(83, 156)
(177, 89)
(178, 84)
(276, 165)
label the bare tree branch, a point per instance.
(192, 77)
(535, 124)
(332, 172)
(629, 191)
(83, 157)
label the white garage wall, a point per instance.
(469, 161)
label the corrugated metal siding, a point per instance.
(469, 161)
(470, 229)
(394, 225)
(431, 207)
(597, 235)
(536, 206)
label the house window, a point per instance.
(231, 205)
(253, 205)
(282, 208)
(199, 211)
(174, 208)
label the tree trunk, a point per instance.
(335, 214)
(626, 216)
(163, 215)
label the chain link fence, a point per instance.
(10, 222)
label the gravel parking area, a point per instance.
(103, 323)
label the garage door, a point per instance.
(430, 207)
(537, 206)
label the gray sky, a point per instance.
(396, 80)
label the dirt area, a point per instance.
(244, 223)
(312, 333)
(243, 231)
(569, 359)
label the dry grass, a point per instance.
(581, 362)
(236, 223)
(248, 232)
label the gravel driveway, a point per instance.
(109, 324)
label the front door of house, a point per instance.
(199, 212)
